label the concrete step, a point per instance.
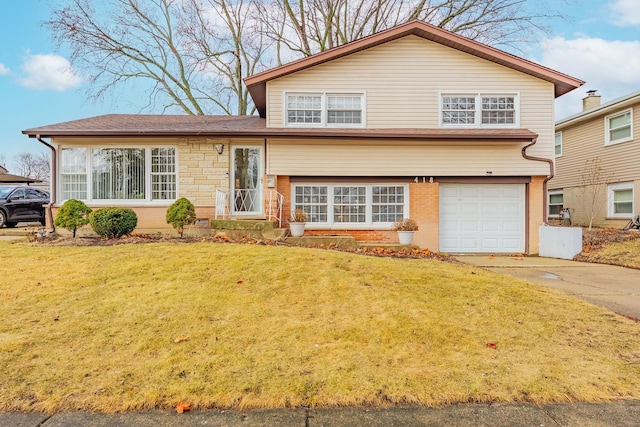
(326, 241)
(242, 224)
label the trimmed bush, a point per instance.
(113, 222)
(72, 215)
(181, 213)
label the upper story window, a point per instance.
(558, 144)
(326, 109)
(619, 127)
(479, 110)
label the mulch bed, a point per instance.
(596, 239)
(57, 240)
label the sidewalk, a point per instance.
(618, 414)
(610, 286)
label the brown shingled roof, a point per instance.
(563, 83)
(139, 125)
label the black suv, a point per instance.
(21, 204)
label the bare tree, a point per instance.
(31, 165)
(593, 189)
(311, 26)
(192, 52)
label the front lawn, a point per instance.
(114, 328)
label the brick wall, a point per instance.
(424, 209)
(537, 204)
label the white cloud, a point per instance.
(625, 13)
(611, 67)
(48, 72)
(4, 70)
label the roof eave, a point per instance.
(414, 135)
(600, 110)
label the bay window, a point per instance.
(118, 174)
(351, 206)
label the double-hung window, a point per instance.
(621, 200)
(122, 174)
(324, 109)
(558, 144)
(556, 203)
(73, 173)
(619, 127)
(479, 110)
(351, 206)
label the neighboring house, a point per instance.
(412, 122)
(598, 163)
(7, 178)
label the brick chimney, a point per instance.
(591, 100)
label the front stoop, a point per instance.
(392, 246)
(247, 229)
(323, 241)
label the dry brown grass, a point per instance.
(222, 325)
(609, 246)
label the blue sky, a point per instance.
(598, 41)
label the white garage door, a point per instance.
(482, 218)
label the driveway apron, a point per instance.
(613, 287)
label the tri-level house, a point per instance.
(411, 122)
(597, 176)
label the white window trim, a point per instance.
(611, 188)
(369, 224)
(561, 144)
(323, 115)
(607, 133)
(553, 193)
(478, 112)
(147, 201)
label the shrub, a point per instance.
(72, 215)
(113, 222)
(181, 213)
(299, 216)
(405, 224)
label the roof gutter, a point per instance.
(546, 180)
(54, 173)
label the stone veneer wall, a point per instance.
(202, 171)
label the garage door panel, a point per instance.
(511, 227)
(469, 226)
(491, 227)
(489, 192)
(482, 218)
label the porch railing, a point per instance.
(221, 204)
(247, 201)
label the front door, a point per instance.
(246, 180)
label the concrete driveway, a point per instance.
(616, 288)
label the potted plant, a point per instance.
(405, 228)
(297, 222)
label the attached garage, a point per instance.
(482, 218)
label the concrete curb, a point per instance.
(619, 414)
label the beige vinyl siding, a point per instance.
(395, 158)
(402, 81)
(585, 141)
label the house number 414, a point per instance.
(424, 179)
